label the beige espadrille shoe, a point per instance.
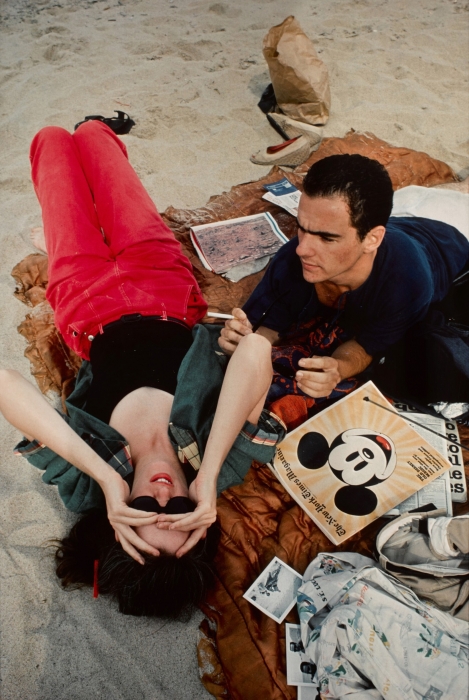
(290, 153)
(291, 128)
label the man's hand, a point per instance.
(233, 331)
(321, 377)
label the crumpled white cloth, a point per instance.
(450, 410)
(449, 206)
(371, 637)
(439, 540)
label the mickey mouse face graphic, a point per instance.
(359, 457)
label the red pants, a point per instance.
(110, 253)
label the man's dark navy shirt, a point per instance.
(413, 268)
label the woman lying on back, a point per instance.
(125, 299)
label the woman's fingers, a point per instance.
(187, 525)
(129, 549)
(131, 520)
(191, 541)
(198, 514)
(131, 541)
(186, 521)
(135, 518)
(165, 518)
(203, 491)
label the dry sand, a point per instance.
(190, 73)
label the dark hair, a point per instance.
(164, 586)
(363, 183)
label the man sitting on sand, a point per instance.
(353, 281)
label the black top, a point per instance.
(130, 354)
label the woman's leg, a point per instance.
(78, 255)
(153, 276)
(71, 228)
(84, 182)
(125, 210)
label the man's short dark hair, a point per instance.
(362, 182)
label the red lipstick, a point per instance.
(155, 477)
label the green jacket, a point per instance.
(199, 383)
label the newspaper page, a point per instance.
(355, 461)
(439, 491)
(457, 476)
(224, 245)
(284, 195)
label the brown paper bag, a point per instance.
(300, 79)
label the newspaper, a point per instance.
(454, 454)
(284, 195)
(237, 247)
(457, 475)
(438, 492)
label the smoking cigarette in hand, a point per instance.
(212, 314)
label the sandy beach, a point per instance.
(190, 74)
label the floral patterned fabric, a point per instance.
(319, 336)
(365, 632)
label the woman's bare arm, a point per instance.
(247, 381)
(27, 410)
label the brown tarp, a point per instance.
(241, 651)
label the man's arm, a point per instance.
(324, 373)
(352, 358)
(28, 411)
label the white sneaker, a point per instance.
(289, 128)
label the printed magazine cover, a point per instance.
(355, 461)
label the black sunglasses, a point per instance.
(175, 506)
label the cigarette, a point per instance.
(212, 314)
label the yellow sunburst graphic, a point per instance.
(417, 463)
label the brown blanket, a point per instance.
(241, 651)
